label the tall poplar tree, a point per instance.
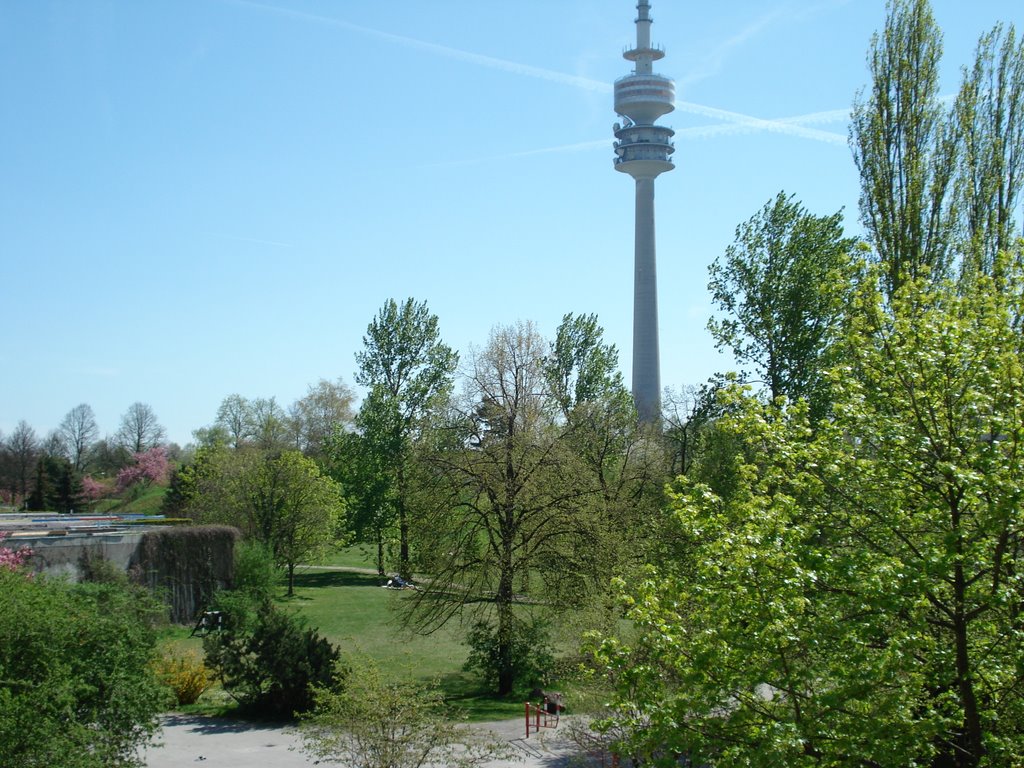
(407, 369)
(989, 113)
(904, 147)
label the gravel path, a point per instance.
(218, 743)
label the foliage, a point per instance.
(527, 653)
(687, 416)
(783, 287)
(361, 464)
(613, 466)
(501, 503)
(989, 116)
(280, 499)
(185, 674)
(374, 722)
(235, 419)
(148, 467)
(903, 148)
(57, 487)
(191, 483)
(255, 573)
(407, 369)
(856, 600)
(580, 367)
(272, 665)
(76, 684)
(938, 183)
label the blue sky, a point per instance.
(207, 197)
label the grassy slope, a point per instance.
(148, 502)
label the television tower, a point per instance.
(643, 150)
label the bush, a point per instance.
(77, 689)
(379, 723)
(270, 663)
(255, 572)
(185, 674)
(529, 653)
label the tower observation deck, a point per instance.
(644, 151)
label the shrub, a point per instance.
(255, 572)
(77, 689)
(270, 664)
(185, 674)
(379, 723)
(529, 653)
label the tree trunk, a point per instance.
(380, 552)
(403, 524)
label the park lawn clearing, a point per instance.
(353, 611)
(348, 606)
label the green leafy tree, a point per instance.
(782, 289)
(856, 600)
(618, 472)
(407, 369)
(299, 510)
(360, 466)
(687, 415)
(235, 420)
(282, 500)
(504, 495)
(904, 146)
(938, 184)
(989, 115)
(76, 684)
(270, 423)
(581, 368)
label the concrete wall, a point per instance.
(65, 555)
(184, 566)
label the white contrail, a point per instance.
(790, 126)
(490, 62)
(713, 63)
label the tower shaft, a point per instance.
(643, 150)
(646, 356)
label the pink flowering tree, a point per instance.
(12, 558)
(93, 489)
(148, 467)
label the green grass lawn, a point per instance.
(350, 557)
(352, 611)
(364, 620)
